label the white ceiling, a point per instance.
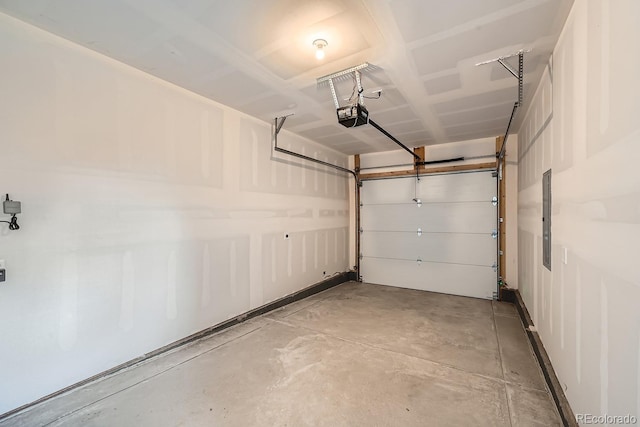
(257, 56)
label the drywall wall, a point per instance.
(474, 151)
(583, 125)
(149, 213)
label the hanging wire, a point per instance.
(415, 188)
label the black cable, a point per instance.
(353, 91)
(13, 224)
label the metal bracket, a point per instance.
(518, 74)
(359, 85)
(494, 234)
(329, 78)
(333, 92)
(495, 267)
(279, 122)
(494, 200)
(419, 232)
(509, 68)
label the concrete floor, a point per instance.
(355, 355)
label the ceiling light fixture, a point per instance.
(320, 44)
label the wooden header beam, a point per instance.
(424, 170)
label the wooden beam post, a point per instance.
(420, 151)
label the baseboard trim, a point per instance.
(296, 296)
(562, 404)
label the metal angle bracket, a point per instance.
(517, 73)
(329, 78)
(279, 122)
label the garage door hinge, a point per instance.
(419, 232)
(495, 267)
(361, 257)
(495, 295)
(361, 230)
(494, 201)
(494, 234)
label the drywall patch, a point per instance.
(605, 64)
(578, 301)
(127, 299)
(304, 253)
(316, 248)
(604, 349)
(233, 268)
(68, 329)
(289, 257)
(172, 304)
(562, 292)
(326, 247)
(205, 294)
(205, 145)
(254, 161)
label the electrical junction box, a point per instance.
(10, 207)
(353, 115)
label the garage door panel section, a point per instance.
(473, 249)
(470, 217)
(437, 233)
(465, 280)
(463, 187)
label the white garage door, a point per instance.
(447, 243)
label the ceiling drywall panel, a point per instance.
(420, 19)
(257, 56)
(443, 84)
